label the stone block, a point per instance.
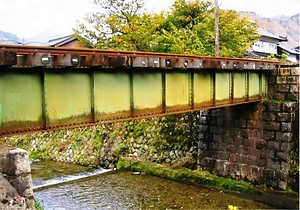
(281, 156)
(231, 148)
(273, 164)
(280, 96)
(292, 79)
(283, 136)
(243, 159)
(271, 80)
(267, 154)
(269, 116)
(281, 175)
(269, 174)
(294, 88)
(23, 184)
(285, 147)
(274, 107)
(16, 162)
(245, 170)
(285, 126)
(261, 162)
(233, 158)
(244, 133)
(257, 174)
(249, 143)
(292, 97)
(252, 160)
(238, 141)
(272, 145)
(295, 71)
(284, 71)
(269, 135)
(285, 167)
(284, 88)
(240, 123)
(282, 185)
(284, 117)
(223, 155)
(290, 107)
(271, 126)
(281, 80)
(260, 144)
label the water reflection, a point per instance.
(125, 190)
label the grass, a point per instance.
(38, 205)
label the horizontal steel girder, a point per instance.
(35, 96)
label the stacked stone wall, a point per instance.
(15, 179)
(256, 141)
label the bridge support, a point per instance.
(257, 141)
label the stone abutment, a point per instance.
(257, 141)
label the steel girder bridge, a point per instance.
(43, 88)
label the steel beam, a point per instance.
(50, 88)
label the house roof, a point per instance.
(287, 49)
(265, 33)
(57, 42)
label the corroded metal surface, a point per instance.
(45, 88)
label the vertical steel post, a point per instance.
(44, 103)
(231, 87)
(247, 85)
(92, 77)
(131, 93)
(191, 84)
(163, 89)
(213, 87)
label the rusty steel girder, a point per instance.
(43, 88)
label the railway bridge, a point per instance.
(249, 127)
(43, 88)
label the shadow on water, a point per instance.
(94, 189)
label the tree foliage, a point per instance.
(188, 28)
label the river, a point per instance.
(62, 186)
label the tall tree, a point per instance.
(114, 19)
(188, 28)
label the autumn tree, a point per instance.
(119, 24)
(188, 28)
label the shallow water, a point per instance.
(126, 190)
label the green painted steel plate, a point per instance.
(112, 94)
(147, 93)
(222, 84)
(203, 89)
(68, 97)
(21, 101)
(177, 91)
(239, 86)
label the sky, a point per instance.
(27, 18)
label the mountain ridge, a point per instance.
(286, 26)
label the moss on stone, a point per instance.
(195, 177)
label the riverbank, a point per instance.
(242, 189)
(171, 141)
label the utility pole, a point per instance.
(217, 34)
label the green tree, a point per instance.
(188, 28)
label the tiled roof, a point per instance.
(263, 32)
(60, 41)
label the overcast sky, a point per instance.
(26, 18)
